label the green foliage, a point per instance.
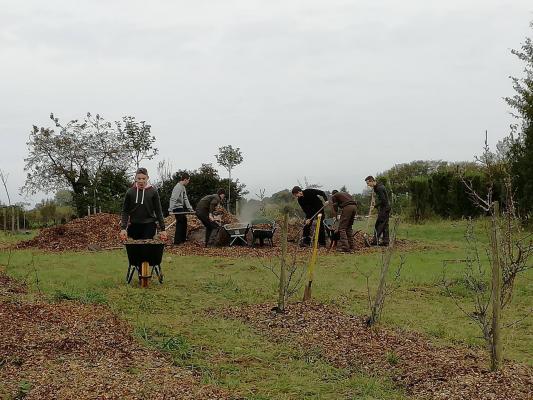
(420, 198)
(23, 390)
(229, 157)
(519, 145)
(137, 139)
(204, 181)
(74, 158)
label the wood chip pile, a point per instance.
(68, 350)
(101, 232)
(95, 232)
(424, 370)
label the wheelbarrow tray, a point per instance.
(149, 252)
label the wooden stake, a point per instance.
(283, 266)
(312, 261)
(496, 344)
(145, 266)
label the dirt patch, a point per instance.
(73, 351)
(423, 369)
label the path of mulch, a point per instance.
(424, 370)
(73, 351)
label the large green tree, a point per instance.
(519, 145)
(204, 180)
(137, 138)
(89, 158)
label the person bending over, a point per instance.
(347, 205)
(309, 201)
(204, 211)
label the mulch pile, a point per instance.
(101, 232)
(93, 232)
(72, 351)
(424, 370)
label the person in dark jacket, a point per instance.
(309, 201)
(141, 210)
(347, 205)
(381, 229)
(204, 211)
(179, 203)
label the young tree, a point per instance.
(229, 157)
(136, 137)
(73, 158)
(510, 252)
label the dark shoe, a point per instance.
(345, 251)
(384, 244)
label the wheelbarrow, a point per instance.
(263, 229)
(145, 258)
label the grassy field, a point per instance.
(172, 316)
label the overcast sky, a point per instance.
(329, 90)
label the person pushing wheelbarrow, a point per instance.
(141, 210)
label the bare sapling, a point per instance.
(291, 271)
(386, 286)
(491, 270)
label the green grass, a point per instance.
(172, 317)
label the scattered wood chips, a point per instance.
(423, 369)
(72, 351)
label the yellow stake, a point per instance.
(312, 261)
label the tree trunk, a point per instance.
(5, 219)
(12, 219)
(496, 343)
(229, 191)
(283, 267)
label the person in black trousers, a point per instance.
(179, 203)
(309, 201)
(204, 212)
(381, 229)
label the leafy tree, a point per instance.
(205, 180)
(63, 197)
(136, 137)
(519, 145)
(73, 158)
(111, 189)
(229, 157)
